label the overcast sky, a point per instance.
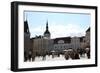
(60, 24)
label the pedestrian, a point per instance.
(72, 55)
(66, 55)
(77, 55)
(88, 54)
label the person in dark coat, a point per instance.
(88, 54)
(76, 55)
(33, 56)
(72, 55)
(25, 56)
(66, 55)
(30, 55)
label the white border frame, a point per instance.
(22, 64)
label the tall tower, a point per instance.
(47, 33)
(26, 41)
(26, 28)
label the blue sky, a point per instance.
(60, 24)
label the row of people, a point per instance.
(73, 54)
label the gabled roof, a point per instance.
(65, 39)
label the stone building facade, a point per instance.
(27, 43)
(43, 44)
(87, 38)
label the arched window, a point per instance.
(60, 42)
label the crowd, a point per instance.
(68, 54)
(76, 54)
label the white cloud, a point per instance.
(36, 31)
(68, 30)
(58, 30)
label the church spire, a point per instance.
(26, 28)
(47, 26)
(47, 33)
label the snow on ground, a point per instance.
(61, 57)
